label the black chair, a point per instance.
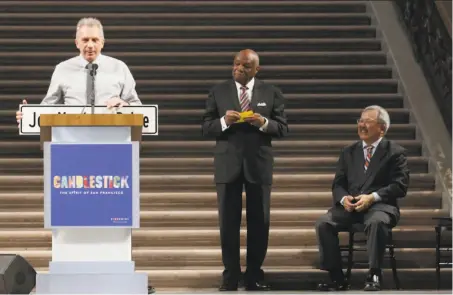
(360, 246)
(442, 250)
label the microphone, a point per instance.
(92, 70)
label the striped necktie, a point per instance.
(369, 150)
(244, 99)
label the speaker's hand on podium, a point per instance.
(19, 113)
(116, 102)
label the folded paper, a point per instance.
(244, 115)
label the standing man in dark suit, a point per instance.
(243, 157)
(371, 175)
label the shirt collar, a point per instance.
(84, 62)
(249, 85)
(374, 144)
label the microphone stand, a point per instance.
(93, 75)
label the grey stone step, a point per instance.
(184, 182)
(309, 131)
(281, 199)
(206, 165)
(267, 58)
(193, 218)
(202, 87)
(197, 237)
(184, 257)
(28, 72)
(338, 101)
(199, 45)
(203, 31)
(30, 148)
(294, 116)
(184, 18)
(182, 6)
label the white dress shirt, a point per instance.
(377, 198)
(249, 91)
(69, 82)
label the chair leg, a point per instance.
(393, 264)
(350, 256)
(438, 229)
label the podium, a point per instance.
(91, 203)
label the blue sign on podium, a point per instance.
(91, 185)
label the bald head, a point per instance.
(246, 65)
(251, 54)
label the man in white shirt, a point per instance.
(71, 85)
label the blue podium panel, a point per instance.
(91, 185)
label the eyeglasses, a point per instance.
(366, 121)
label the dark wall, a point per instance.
(431, 42)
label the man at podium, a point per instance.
(90, 74)
(76, 80)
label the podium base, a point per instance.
(92, 278)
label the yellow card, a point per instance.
(244, 115)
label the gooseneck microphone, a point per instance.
(91, 77)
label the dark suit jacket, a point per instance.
(387, 175)
(243, 146)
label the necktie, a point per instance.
(90, 86)
(369, 150)
(244, 99)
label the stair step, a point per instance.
(209, 218)
(211, 257)
(177, 19)
(182, 6)
(313, 131)
(404, 237)
(174, 149)
(156, 183)
(294, 116)
(187, 31)
(268, 58)
(199, 45)
(192, 166)
(206, 72)
(200, 86)
(187, 280)
(184, 200)
(337, 101)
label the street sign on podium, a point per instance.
(91, 202)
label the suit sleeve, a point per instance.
(211, 126)
(340, 181)
(399, 179)
(277, 123)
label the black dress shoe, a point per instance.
(334, 286)
(228, 287)
(256, 286)
(373, 282)
(151, 290)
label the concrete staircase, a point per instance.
(324, 55)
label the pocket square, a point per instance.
(261, 104)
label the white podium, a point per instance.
(91, 203)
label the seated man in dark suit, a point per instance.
(371, 175)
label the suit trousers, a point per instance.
(229, 198)
(377, 228)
